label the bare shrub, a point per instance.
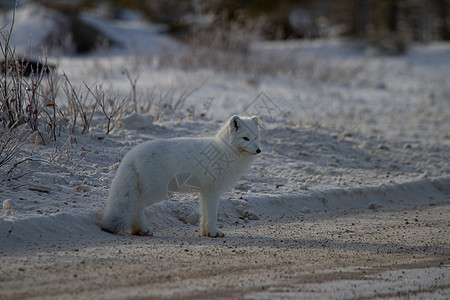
(112, 107)
(166, 103)
(78, 106)
(133, 83)
(27, 104)
(52, 114)
(10, 144)
(24, 99)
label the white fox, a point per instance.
(150, 172)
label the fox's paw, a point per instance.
(145, 233)
(142, 232)
(214, 234)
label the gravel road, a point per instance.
(360, 254)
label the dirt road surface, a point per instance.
(366, 254)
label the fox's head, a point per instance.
(244, 135)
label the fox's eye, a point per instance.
(245, 139)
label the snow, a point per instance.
(31, 23)
(350, 131)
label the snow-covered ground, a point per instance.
(343, 130)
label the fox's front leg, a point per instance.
(209, 203)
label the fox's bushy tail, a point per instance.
(112, 223)
(122, 199)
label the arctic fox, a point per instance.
(151, 171)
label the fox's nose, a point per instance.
(258, 151)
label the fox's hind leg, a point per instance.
(139, 225)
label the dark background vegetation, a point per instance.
(391, 25)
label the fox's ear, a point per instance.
(255, 119)
(235, 123)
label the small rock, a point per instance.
(381, 86)
(38, 138)
(82, 188)
(374, 205)
(303, 187)
(347, 134)
(188, 215)
(364, 145)
(306, 210)
(383, 147)
(39, 188)
(393, 166)
(9, 204)
(249, 215)
(97, 134)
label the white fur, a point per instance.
(151, 171)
